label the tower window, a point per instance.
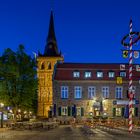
(42, 66)
(49, 66)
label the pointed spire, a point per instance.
(51, 33)
(51, 46)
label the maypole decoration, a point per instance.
(133, 39)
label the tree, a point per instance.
(18, 80)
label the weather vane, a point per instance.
(128, 41)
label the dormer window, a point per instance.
(76, 74)
(87, 74)
(122, 74)
(99, 74)
(111, 74)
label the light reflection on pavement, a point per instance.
(65, 133)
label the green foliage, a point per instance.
(18, 82)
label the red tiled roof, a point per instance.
(64, 71)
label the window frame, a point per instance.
(124, 74)
(76, 74)
(97, 74)
(118, 112)
(105, 92)
(64, 92)
(77, 92)
(118, 95)
(110, 72)
(78, 111)
(87, 74)
(91, 92)
(64, 110)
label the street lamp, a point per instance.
(1, 109)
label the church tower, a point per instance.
(46, 66)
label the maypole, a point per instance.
(130, 79)
(133, 39)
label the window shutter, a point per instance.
(69, 111)
(82, 111)
(122, 111)
(54, 110)
(114, 111)
(59, 111)
(74, 111)
(136, 111)
(127, 94)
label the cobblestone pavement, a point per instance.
(66, 133)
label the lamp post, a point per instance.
(1, 109)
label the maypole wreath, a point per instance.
(135, 40)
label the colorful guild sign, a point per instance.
(122, 67)
(119, 80)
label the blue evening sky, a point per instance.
(86, 30)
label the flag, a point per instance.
(125, 54)
(137, 67)
(136, 54)
(119, 80)
(122, 67)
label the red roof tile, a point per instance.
(65, 71)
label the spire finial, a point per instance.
(52, 4)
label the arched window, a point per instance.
(42, 66)
(49, 66)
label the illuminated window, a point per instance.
(49, 66)
(111, 74)
(122, 74)
(76, 74)
(64, 111)
(91, 92)
(42, 66)
(133, 112)
(64, 92)
(87, 74)
(78, 111)
(99, 74)
(119, 92)
(134, 91)
(105, 92)
(77, 92)
(118, 112)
